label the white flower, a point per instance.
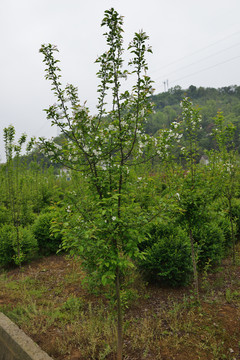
(175, 124)
(111, 127)
(96, 152)
(113, 218)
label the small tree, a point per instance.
(225, 161)
(191, 197)
(15, 183)
(102, 148)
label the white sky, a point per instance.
(194, 43)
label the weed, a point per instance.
(22, 313)
(73, 305)
(218, 283)
(164, 330)
(205, 282)
(231, 295)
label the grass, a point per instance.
(46, 299)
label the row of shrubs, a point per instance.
(34, 239)
(168, 249)
(167, 246)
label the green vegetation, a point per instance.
(209, 100)
(136, 202)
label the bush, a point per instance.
(236, 214)
(42, 198)
(5, 216)
(27, 216)
(211, 242)
(48, 244)
(7, 236)
(167, 255)
(8, 245)
(221, 216)
(225, 225)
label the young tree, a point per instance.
(191, 196)
(14, 183)
(225, 161)
(102, 148)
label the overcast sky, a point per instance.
(194, 43)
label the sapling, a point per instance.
(225, 160)
(189, 197)
(14, 190)
(102, 148)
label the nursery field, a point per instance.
(124, 260)
(46, 299)
(119, 239)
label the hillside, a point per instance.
(209, 100)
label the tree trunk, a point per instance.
(232, 231)
(195, 272)
(119, 318)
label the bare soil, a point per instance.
(187, 332)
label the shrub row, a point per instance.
(167, 249)
(35, 239)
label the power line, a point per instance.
(209, 67)
(197, 51)
(198, 61)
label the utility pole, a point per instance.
(165, 84)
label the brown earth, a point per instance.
(187, 332)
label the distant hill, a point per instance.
(167, 109)
(209, 100)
